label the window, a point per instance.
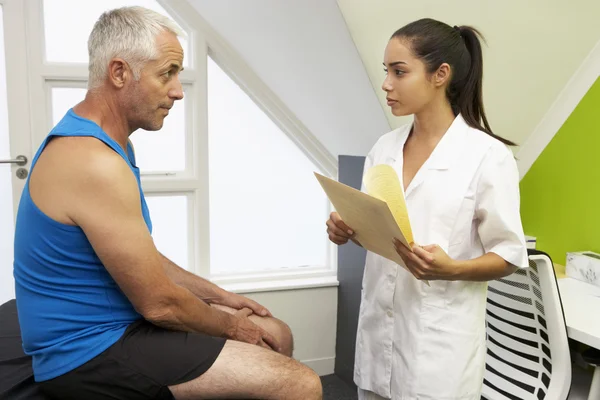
(67, 43)
(169, 215)
(267, 210)
(229, 184)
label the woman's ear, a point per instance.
(442, 75)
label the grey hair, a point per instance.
(128, 33)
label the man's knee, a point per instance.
(274, 326)
(286, 338)
(280, 330)
(311, 385)
(302, 382)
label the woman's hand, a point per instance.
(339, 232)
(428, 262)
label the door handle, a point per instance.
(20, 160)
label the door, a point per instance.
(15, 132)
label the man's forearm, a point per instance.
(183, 311)
(200, 287)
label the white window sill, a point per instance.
(281, 284)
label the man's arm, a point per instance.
(200, 287)
(104, 201)
(208, 291)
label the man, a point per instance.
(103, 313)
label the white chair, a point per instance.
(528, 354)
(592, 357)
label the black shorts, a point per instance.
(140, 365)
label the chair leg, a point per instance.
(595, 388)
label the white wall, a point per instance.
(533, 48)
(7, 284)
(312, 317)
(303, 51)
(7, 290)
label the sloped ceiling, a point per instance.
(533, 48)
(303, 52)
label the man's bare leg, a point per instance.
(274, 326)
(245, 371)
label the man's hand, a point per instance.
(240, 302)
(247, 331)
(428, 262)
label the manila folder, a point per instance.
(369, 217)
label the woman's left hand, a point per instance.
(428, 262)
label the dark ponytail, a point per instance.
(435, 43)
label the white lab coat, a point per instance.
(428, 342)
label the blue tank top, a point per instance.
(70, 309)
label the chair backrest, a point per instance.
(527, 347)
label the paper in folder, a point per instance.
(377, 217)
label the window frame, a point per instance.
(203, 42)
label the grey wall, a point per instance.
(351, 264)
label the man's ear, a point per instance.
(118, 72)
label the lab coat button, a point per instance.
(390, 313)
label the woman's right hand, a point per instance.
(339, 232)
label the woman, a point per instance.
(461, 186)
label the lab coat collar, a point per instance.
(445, 153)
(450, 146)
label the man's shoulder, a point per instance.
(71, 123)
(90, 154)
(83, 163)
(101, 165)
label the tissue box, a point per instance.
(584, 266)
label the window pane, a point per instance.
(64, 99)
(267, 210)
(170, 226)
(164, 150)
(160, 151)
(7, 227)
(67, 42)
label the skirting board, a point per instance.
(322, 366)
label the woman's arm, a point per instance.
(485, 268)
(432, 263)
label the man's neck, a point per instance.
(103, 110)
